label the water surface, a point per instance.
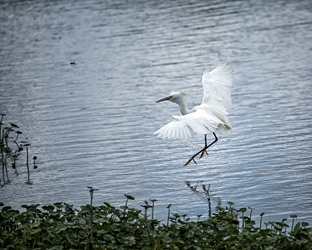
(92, 124)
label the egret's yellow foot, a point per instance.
(202, 153)
(191, 159)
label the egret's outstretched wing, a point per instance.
(201, 121)
(217, 86)
(175, 130)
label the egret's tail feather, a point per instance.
(224, 129)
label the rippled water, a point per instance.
(92, 124)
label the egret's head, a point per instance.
(176, 97)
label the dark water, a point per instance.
(92, 124)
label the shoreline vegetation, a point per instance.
(61, 226)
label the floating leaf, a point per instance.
(14, 125)
(129, 197)
(49, 208)
(242, 209)
(296, 228)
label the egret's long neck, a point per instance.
(183, 108)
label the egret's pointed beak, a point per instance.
(164, 99)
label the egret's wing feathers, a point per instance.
(217, 86)
(201, 122)
(174, 130)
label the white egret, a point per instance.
(209, 117)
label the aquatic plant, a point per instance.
(91, 190)
(61, 226)
(147, 206)
(205, 194)
(28, 173)
(9, 154)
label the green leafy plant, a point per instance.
(61, 226)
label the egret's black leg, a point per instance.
(202, 151)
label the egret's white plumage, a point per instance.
(210, 116)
